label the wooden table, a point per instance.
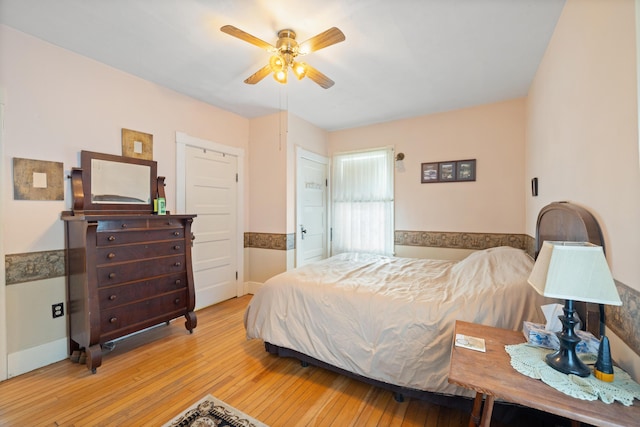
(490, 374)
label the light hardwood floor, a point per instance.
(151, 377)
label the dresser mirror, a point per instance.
(107, 183)
(118, 182)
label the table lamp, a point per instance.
(572, 271)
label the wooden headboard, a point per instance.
(564, 221)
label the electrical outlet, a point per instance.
(57, 310)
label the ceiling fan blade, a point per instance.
(237, 32)
(318, 77)
(258, 75)
(327, 38)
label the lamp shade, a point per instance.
(574, 271)
(299, 69)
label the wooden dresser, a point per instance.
(127, 270)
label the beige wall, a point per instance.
(268, 174)
(582, 131)
(274, 139)
(311, 138)
(303, 134)
(58, 103)
(267, 178)
(272, 174)
(492, 134)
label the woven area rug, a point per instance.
(210, 411)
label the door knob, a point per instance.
(303, 231)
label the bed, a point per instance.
(389, 321)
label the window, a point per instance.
(363, 202)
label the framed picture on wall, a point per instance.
(429, 172)
(466, 170)
(137, 144)
(447, 171)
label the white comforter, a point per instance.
(392, 319)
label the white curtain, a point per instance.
(363, 202)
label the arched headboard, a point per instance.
(564, 221)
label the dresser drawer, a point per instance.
(138, 223)
(138, 270)
(123, 294)
(115, 254)
(122, 224)
(112, 319)
(110, 238)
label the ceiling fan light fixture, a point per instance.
(299, 69)
(285, 51)
(280, 76)
(276, 62)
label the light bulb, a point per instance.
(276, 63)
(280, 76)
(299, 69)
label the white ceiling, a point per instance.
(400, 59)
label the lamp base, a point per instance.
(566, 360)
(566, 364)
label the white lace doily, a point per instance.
(530, 361)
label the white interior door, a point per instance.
(211, 193)
(312, 212)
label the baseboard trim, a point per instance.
(251, 287)
(36, 357)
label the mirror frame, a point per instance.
(81, 186)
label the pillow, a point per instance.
(499, 266)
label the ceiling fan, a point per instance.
(285, 52)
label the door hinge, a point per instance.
(331, 234)
(236, 177)
(236, 275)
(326, 182)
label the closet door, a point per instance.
(211, 193)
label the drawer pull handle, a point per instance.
(176, 233)
(177, 301)
(112, 275)
(176, 247)
(111, 238)
(111, 255)
(178, 282)
(112, 297)
(113, 320)
(178, 264)
(124, 225)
